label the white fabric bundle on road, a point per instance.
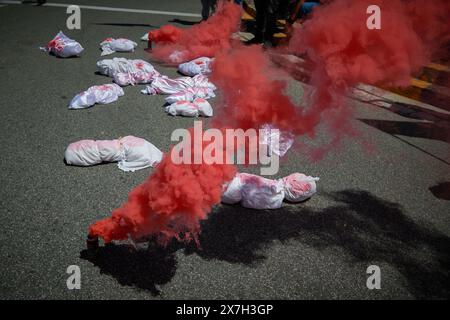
(190, 94)
(128, 71)
(111, 45)
(199, 107)
(277, 141)
(62, 46)
(299, 187)
(131, 153)
(197, 66)
(165, 85)
(256, 192)
(145, 37)
(102, 94)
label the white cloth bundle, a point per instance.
(277, 141)
(145, 37)
(102, 94)
(256, 192)
(62, 46)
(165, 85)
(190, 94)
(127, 71)
(200, 65)
(111, 45)
(131, 153)
(199, 107)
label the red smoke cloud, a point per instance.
(169, 204)
(175, 198)
(174, 45)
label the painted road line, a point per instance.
(101, 8)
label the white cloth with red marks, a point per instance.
(128, 71)
(102, 94)
(200, 65)
(278, 141)
(62, 46)
(131, 153)
(256, 192)
(165, 85)
(198, 107)
(111, 45)
(190, 94)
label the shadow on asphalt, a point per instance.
(441, 190)
(366, 229)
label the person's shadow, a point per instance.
(366, 227)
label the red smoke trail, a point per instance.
(170, 203)
(174, 45)
(175, 198)
(345, 52)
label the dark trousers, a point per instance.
(208, 7)
(266, 16)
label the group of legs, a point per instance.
(267, 13)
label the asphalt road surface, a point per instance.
(372, 208)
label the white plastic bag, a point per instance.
(299, 187)
(203, 107)
(261, 193)
(277, 141)
(199, 107)
(102, 94)
(232, 192)
(165, 85)
(111, 45)
(62, 46)
(190, 94)
(128, 71)
(256, 192)
(131, 153)
(182, 108)
(197, 66)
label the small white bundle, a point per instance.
(197, 66)
(102, 94)
(128, 71)
(131, 153)
(62, 46)
(256, 192)
(199, 107)
(165, 85)
(111, 45)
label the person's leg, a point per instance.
(205, 9)
(261, 14)
(271, 19)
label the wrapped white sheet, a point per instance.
(165, 85)
(62, 46)
(102, 94)
(197, 66)
(190, 94)
(199, 107)
(256, 192)
(128, 71)
(131, 153)
(111, 45)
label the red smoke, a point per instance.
(169, 204)
(175, 198)
(174, 45)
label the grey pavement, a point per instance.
(372, 208)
